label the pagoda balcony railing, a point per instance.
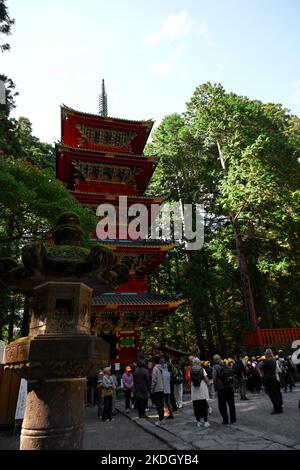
(264, 337)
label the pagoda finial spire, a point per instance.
(103, 101)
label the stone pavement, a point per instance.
(255, 429)
(119, 434)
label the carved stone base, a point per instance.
(55, 359)
(54, 416)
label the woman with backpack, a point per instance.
(199, 392)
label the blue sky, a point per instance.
(152, 55)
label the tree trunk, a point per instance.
(245, 277)
(244, 271)
(260, 297)
(209, 335)
(221, 338)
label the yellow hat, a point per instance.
(262, 358)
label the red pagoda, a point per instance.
(99, 159)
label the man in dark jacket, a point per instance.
(141, 386)
(271, 381)
(225, 391)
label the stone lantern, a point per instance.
(59, 352)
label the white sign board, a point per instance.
(20, 410)
(117, 366)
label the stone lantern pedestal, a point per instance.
(55, 358)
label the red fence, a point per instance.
(270, 337)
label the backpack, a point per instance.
(209, 372)
(176, 376)
(226, 375)
(196, 377)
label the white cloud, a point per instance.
(168, 65)
(174, 27)
(296, 91)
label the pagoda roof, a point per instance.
(102, 132)
(107, 118)
(154, 245)
(62, 146)
(114, 197)
(134, 299)
(137, 171)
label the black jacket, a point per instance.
(141, 382)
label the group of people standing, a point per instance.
(158, 380)
(161, 381)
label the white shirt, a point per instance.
(200, 393)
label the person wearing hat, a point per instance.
(223, 383)
(209, 371)
(127, 382)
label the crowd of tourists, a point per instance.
(158, 383)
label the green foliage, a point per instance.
(240, 159)
(5, 24)
(31, 201)
(31, 148)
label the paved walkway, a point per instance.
(119, 434)
(255, 429)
